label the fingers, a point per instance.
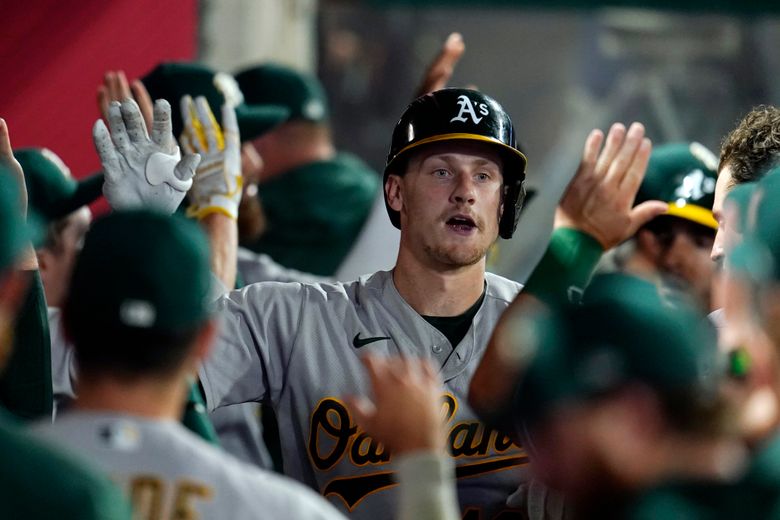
(230, 125)
(193, 125)
(636, 172)
(645, 212)
(118, 130)
(186, 168)
(189, 137)
(116, 82)
(162, 131)
(429, 372)
(103, 99)
(209, 123)
(363, 410)
(134, 122)
(625, 156)
(105, 150)
(583, 181)
(614, 140)
(590, 155)
(440, 70)
(6, 152)
(144, 101)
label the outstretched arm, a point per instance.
(28, 261)
(440, 70)
(217, 186)
(595, 214)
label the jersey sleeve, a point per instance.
(257, 328)
(427, 486)
(63, 365)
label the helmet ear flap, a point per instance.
(514, 197)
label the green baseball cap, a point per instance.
(274, 84)
(14, 231)
(682, 175)
(52, 192)
(140, 270)
(623, 332)
(173, 80)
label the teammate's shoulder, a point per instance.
(501, 288)
(73, 488)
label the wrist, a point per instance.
(566, 267)
(201, 212)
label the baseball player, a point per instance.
(316, 199)
(673, 249)
(131, 395)
(453, 183)
(612, 413)
(747, 153)
(69, 490)
(61, 203)
(596, 213)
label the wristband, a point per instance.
(566, 267)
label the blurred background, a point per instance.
(687, 69)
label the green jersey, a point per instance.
(755, 494)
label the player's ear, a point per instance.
(393, 192)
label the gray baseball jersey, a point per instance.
(299, 346)
(166, 469)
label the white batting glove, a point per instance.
(217, 184)
(142, 172)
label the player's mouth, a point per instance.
(462, 224)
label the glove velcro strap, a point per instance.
(566, 267)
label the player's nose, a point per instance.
(464, 190)
(716, 254)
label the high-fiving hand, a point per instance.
(600, 198)
(142, 171)
(218, 182)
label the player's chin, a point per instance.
(460, 255)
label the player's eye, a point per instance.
(483, 176)
(441, 173)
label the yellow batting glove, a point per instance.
(218, 182)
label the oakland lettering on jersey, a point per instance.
(332, 419)
(334, 436)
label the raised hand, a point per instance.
(440, 70)
(406, 412)
(218, 182)
(142, 171)
(8, 159)
(600, 198)
(116, 88)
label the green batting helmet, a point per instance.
(456, 114)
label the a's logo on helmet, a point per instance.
(694, 186)
(467, 107)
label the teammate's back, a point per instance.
(166, 469)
